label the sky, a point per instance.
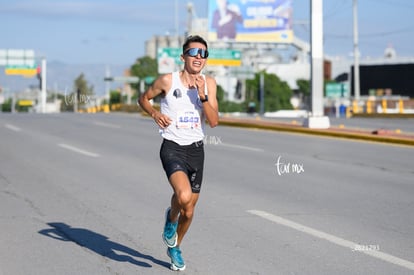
(115, 31)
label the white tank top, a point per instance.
(185, 109)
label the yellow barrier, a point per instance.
(369, 107)
(355, 107)
(348, 112)
(106, 108)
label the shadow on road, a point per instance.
(99, 244)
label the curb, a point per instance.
(331, 132)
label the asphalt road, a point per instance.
(86, 194)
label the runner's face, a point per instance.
(194, 64)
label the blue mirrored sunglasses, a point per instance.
(193, 52)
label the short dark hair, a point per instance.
(194, 38)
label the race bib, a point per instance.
(188, 120)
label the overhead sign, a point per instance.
(17, 57)
(169, 58)
(224, 57)
(250, 21)
(27, 71)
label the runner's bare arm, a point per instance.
(211, 106)
(160, 85)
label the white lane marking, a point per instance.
(242, 147)
(108, 125)
(12, 127)
(78, 150)
(333, 239)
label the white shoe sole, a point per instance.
(173, 266)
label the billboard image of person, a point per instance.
(225, 18)
(250, 20)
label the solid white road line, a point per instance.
(333, 239)
(78, 150)
(12, 127)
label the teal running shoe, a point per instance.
(177, 262)
(169, 235)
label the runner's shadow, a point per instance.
(99, 244)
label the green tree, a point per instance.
(277, 93)
(303, 86)
(144, 67)
(114, 97)
(7, 105)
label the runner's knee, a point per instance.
(184, 198)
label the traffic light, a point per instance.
(39, 76)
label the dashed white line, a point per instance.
(333, 239)
(78, 150)
(242, 147)
(108, 125)
(12, 127)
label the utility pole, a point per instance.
(317, 118)
(356, 52)
(43, 80)
(261, 90)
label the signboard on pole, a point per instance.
(27, 71)
(17, 57)
(337, 90)
(224, 57)
(18, 62)
(250, 21)
(169, 58)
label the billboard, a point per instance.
(250, 21)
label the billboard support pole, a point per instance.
(316, 119)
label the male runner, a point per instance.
(188, 100)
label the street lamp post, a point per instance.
(316, 118)
(356, 52)
(261, 90)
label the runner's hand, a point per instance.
(162, 120)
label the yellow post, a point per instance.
(355, 107)
(401, 106)
(384, 105)
(369, 106)
(106, 108)
(348, 112)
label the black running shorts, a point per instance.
(186, 158)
